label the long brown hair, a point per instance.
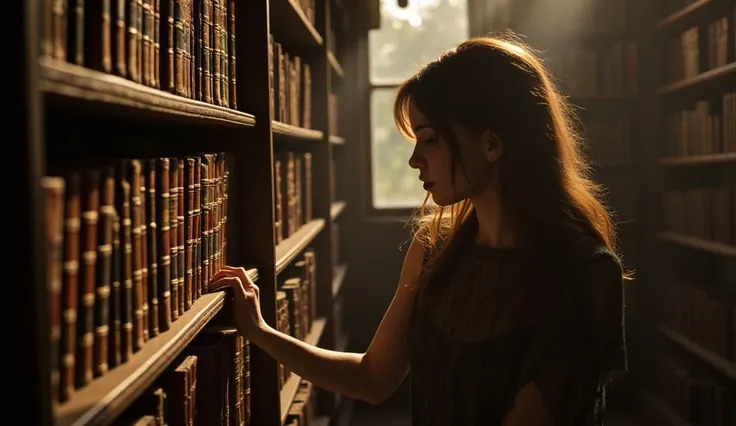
(501, 84)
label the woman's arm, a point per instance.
(371, 376)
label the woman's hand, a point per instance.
(246, 300)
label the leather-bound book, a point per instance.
(136, 215)
(54, 190)
(206, 211)
(147, 42)
(207, 52)
(151, 252)
(97, 35)
(132, 41)
(197, 228)
(107, 216)
(181, 274)
(119, 33)
(122, 205)
(174, 236)
(298, 193)
(224, 184)
(212, 189)
(70, 287)
(278, 200)
(115, 341)
(198, 49)
(147, 311)
(75, 28)
(90, 196)
(163, 242)
(189, 289)
(311, 261)
(292, 288)
(231, 70)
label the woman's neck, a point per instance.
(495, 228)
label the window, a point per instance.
(408, 38)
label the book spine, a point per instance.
(163, 243)
(70, 289)
(152, 252)
(90, 217)
(104, 272)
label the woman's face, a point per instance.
(433, 158)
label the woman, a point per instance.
(509, 309)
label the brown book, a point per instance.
(147, 44)
(174, 236)
(59, 22)
(147, 326)
(189, 286)
(107, 217)
(88, 254)
(271, 76)
(292, 288)
(298, 193)
(216, 52)
(179, 47)
(278, 179)
(213, 381)
(70, 288)
(122, 205)
(206, 209)
(311, 262)
(151, 253)
(156, 58)
(207, 52)
(166, 53)
(97, 35)
(131, 44)
(181, 274)
(139, 39)
(198, 49)
(136, 215)
(75, 27)
(179, 389)
(118, 43)
(163, 242)
(217, 217)
(115, 341)
(54, 192)
(225, 206)
(197, 228)
(231, 53)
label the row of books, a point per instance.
(706, 128)
(707, 320)
(293, 192)
(186, 47)
(708, 213)
(697, 399)
(209, 384)
(303, 411)
(610, 140)
(686, 58)
(291, 86)
(296, 300)
(132, 244)
(588, 72)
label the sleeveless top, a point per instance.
(470, 354)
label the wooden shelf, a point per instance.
(700, 160)
(290, 26)
(337, 140)
(292, 384)
(724, 366)
(684, 16)
(661, 409)
(338, 279)
(708, 77)
(335, 64)
(289, 131)
(699, 244)
(106, 398)
(126, 98)
(336, 209)
(290, 247)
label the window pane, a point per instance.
(411, 36)
(395, 184)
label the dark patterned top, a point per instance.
(470, 353)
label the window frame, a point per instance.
(371, 213)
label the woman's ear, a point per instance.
(494, 146)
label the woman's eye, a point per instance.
(430, 140)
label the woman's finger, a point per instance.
(223, 283)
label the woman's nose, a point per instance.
(415, 161)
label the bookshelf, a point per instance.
(164, 140)
(691, 299)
